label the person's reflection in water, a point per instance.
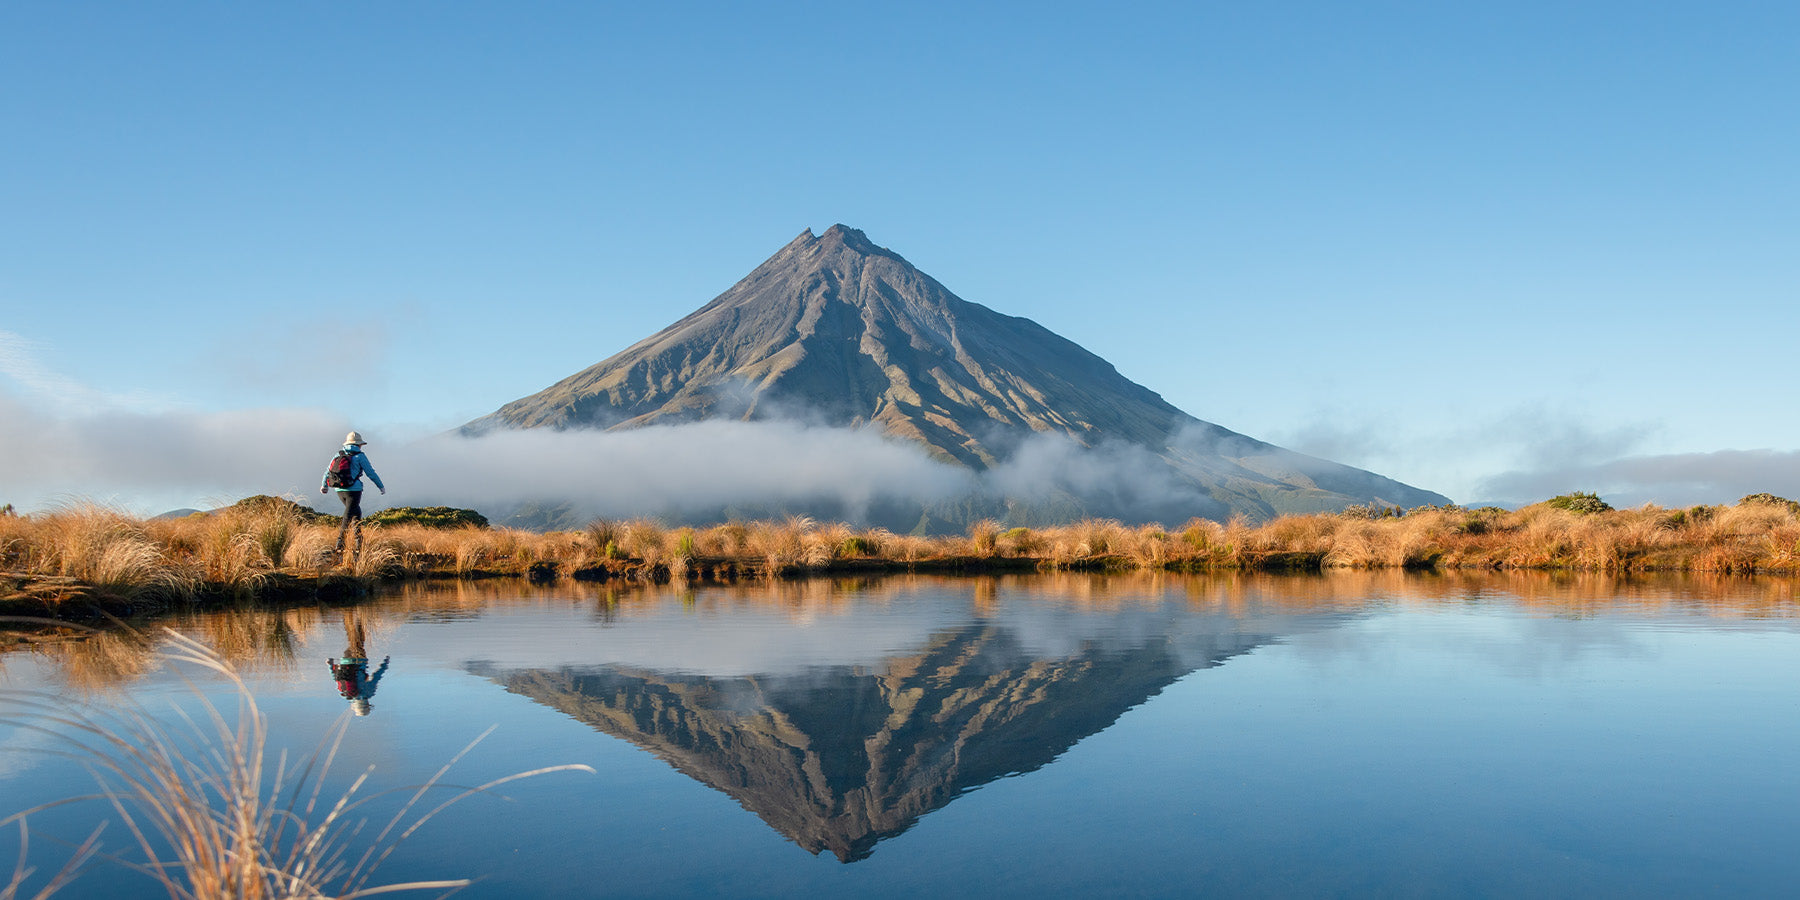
(351, 670)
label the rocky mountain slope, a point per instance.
(842, 758)
(833, 329)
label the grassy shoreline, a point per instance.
(86, 559)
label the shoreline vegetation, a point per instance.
(86, 560)
(211, 808)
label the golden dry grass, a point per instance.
(239, 549)
(212, 811)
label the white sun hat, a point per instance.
(354, 437)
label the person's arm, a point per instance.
(369, 685)
(370, 471)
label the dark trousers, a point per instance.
(352, 520)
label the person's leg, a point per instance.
(344, 525)
(353, 514)
(352, 521)
(355, 637)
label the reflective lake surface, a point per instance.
(1357, 734)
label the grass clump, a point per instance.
(213, 811)
(984, 538)
(243, 548)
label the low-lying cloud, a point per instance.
(171, 457)
(1460, 458)
(154, 461)
(697, 470)
(62, 441)
(1531, 453)
(674, 470)
(1674, 479)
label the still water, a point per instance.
(1350, 735)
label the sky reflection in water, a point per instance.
(1363, 733)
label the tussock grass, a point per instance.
(106, 658)
(212, 811)
(240, 549)
(104, 548)
(15, 885)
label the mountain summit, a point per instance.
(834, 329)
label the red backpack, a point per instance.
(338, 474)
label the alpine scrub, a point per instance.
(265, 546)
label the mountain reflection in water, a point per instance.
(841, 756)
(1365, 733)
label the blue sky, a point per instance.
(1498, 253)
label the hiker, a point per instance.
(351, 670)
(345, 475)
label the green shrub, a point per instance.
(1767, 499)
(265, 505)
(429, 516)
(1430, 507)
(1371, 511)
(1580, 502)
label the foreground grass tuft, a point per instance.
(212, 813)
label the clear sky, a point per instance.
(1499, 251)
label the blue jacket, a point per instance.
(359, 466)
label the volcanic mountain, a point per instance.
(835, 330)
(839, 758)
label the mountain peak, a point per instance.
(844, 234)
(838, 330)
(837, 237)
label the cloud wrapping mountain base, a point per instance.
(698, 471)
(159, 460)
(676, 471)
(712, 469)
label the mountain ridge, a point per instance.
(834, 329)
(843, 758)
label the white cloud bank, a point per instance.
(670, 469)
(1673, 479)
(143, 460)
(153, 461)
(150, 462)
(60, 440)
(1536, 451)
